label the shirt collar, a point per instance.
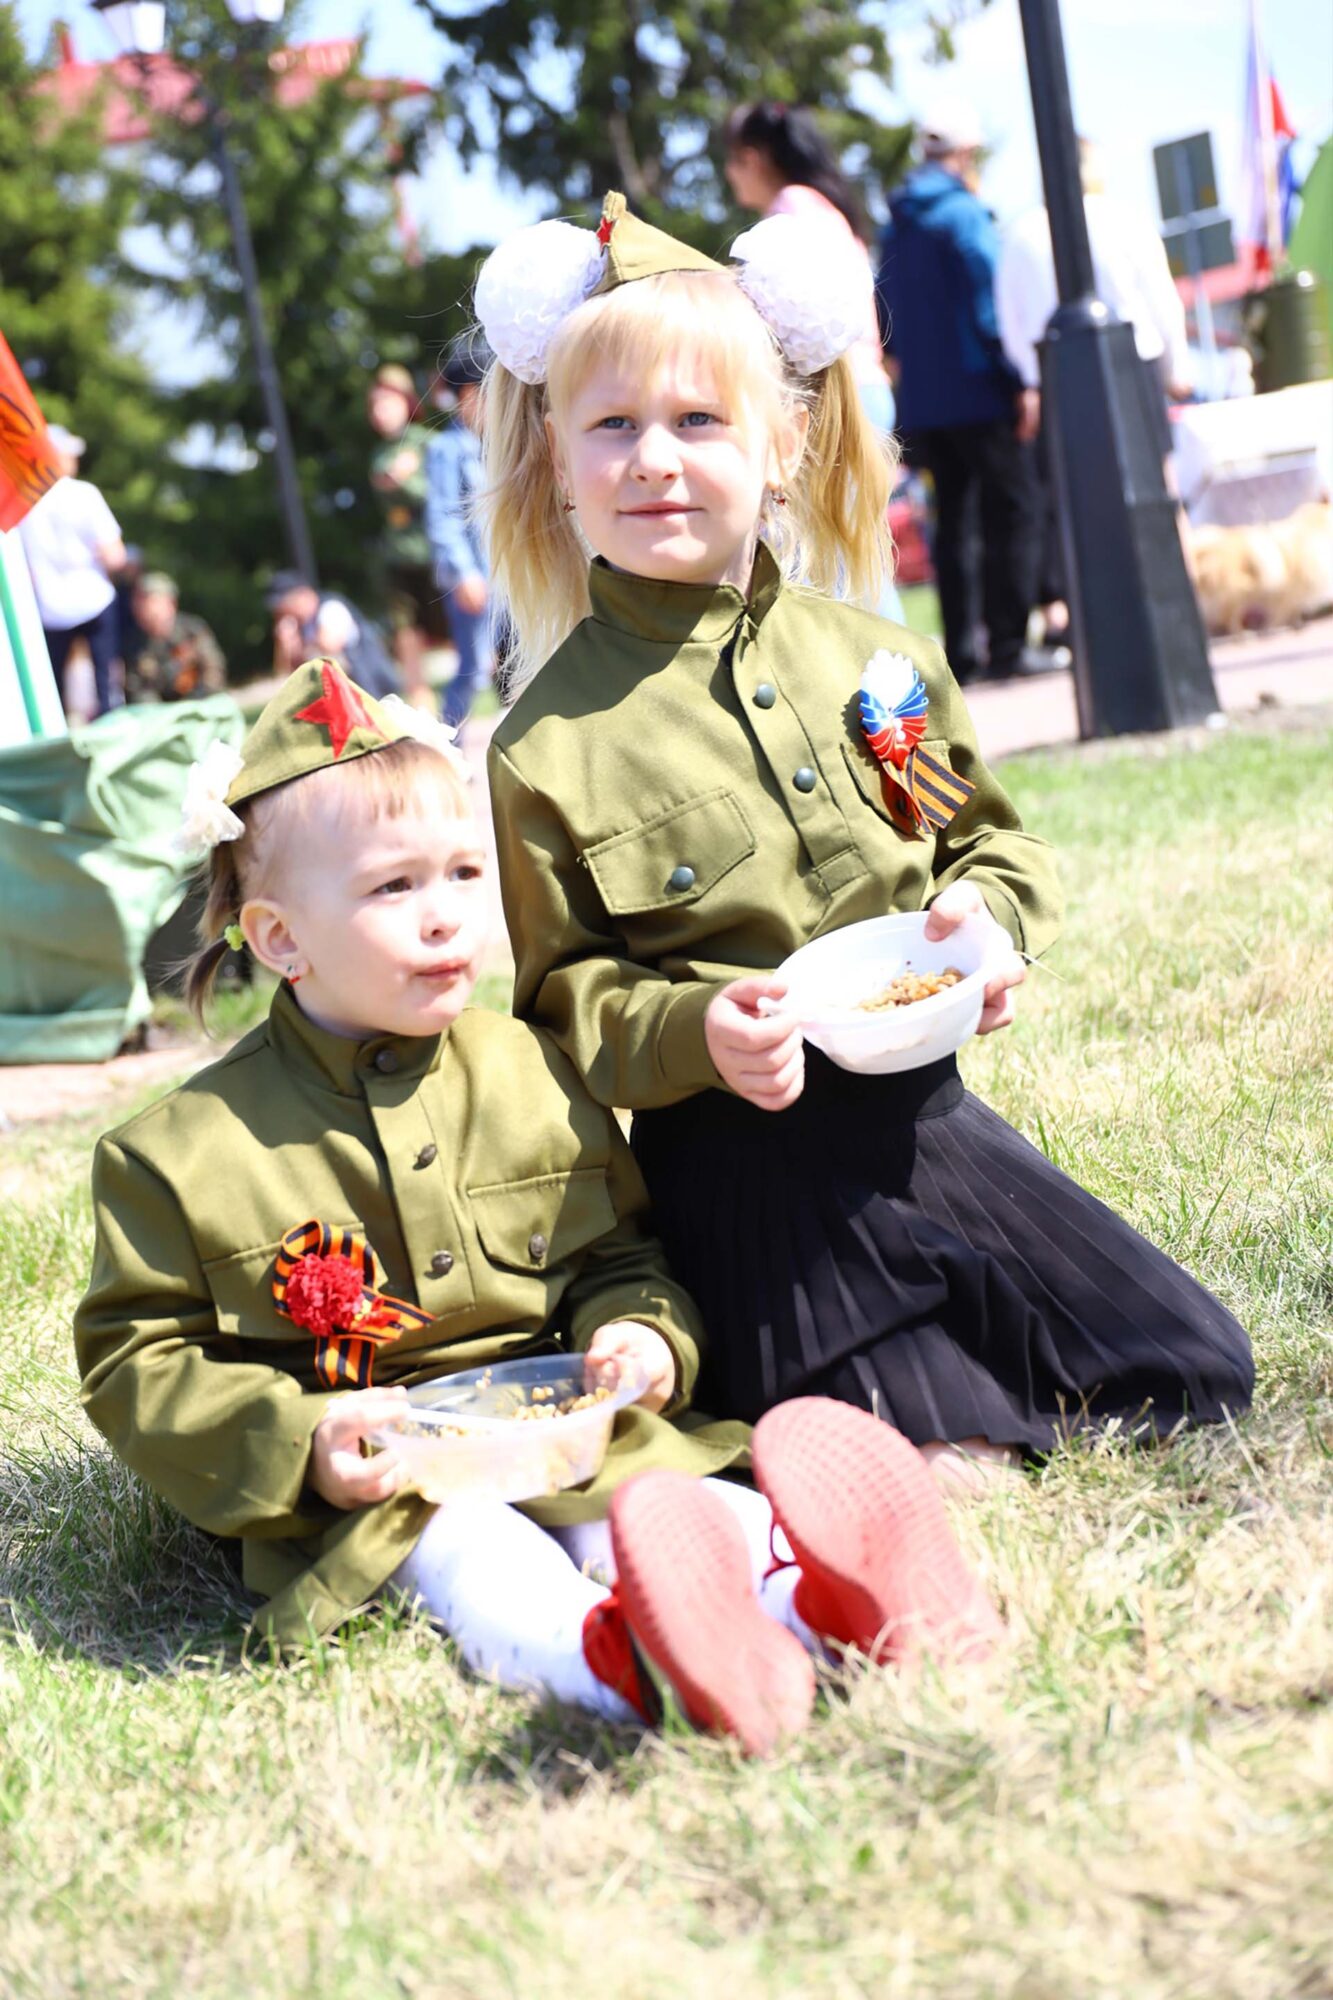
(340, 1063)
(709, 612)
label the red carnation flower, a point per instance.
(324, 1294)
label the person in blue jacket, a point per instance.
(962, 407)
(454, 477)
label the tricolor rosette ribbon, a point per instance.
(324, 1282)
(922, 792)
(893, 707)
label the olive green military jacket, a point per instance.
(494, 1194)
(684, 794)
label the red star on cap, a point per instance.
(340, 708)
(604, 228)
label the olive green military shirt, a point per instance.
(184, 666)
(684, 794)
(494, 1193)
(400, 493)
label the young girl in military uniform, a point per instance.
(377, 1187)
(687, 792)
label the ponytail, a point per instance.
(538, 565)
(839, 497)
(221, 905)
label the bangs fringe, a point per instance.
(383, 784)
(680, 316)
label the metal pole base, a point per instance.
(1140, 655)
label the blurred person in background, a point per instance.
(778, 162)
(398, 481)
(962, 406)
(177, 657)
(300, 611)
(1133, 278)
(73, 546)
(454, 478)
(129, 638)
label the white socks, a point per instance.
(514, 1597)
(511, 1600)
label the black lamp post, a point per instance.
(139, 28)
(1140, 655)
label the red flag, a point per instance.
(28, 466)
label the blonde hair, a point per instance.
(384, 784)
(834, 531)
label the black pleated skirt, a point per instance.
(892, 1242)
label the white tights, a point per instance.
(513, 1597)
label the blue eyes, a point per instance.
(692, 420)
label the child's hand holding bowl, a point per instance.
(628, 1343)
(952, 907)
(338, 1472)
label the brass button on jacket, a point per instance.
(386, 1062)
(537, 1246)
(804, 779)
(442, 1263)
(681, 878)
(427, 1156)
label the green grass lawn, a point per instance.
(1134, 1803)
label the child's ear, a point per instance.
(268, 936)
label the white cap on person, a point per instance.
(949, 124)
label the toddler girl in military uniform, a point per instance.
(378, 1179)
(718, 762)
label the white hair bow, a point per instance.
(206, 818)
(810, 288)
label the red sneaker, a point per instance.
(686, 1590)
(608, 1647)
(880, 1569)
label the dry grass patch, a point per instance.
(1134, 1803)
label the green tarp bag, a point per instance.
(88, 872)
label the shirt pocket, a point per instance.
(242, 1289)
(537, 1225)
(673, 859)
(868, 772)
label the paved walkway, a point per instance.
(1259, 670)
(1278, 670)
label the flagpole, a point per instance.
(1140, 655)
(1267, 139)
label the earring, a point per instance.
(566, 504)
(294, 973)
(779, 496)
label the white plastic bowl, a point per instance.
(461, 1436)
(829, 977)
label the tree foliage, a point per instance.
(318, 181)
(580, 95)
(64, 307)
